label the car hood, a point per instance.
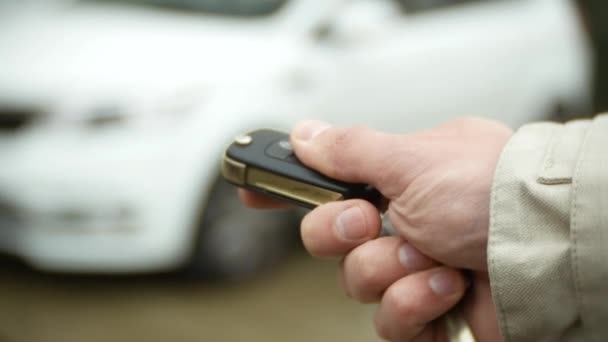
(111, 51)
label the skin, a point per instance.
(438, 184)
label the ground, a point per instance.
(299, 301)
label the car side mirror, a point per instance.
(357, 21)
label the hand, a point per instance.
(438, 183)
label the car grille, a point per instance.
(10, 217)
(14, 119)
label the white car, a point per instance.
(114, 114)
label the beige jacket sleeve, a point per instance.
(548, 244)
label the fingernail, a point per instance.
(309, 129)
(444, 282)
(411, 258)
(350, 224)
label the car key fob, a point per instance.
(263, 161)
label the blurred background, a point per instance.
(114, 114)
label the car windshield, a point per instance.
(244, 8)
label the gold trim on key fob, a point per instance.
(239, 173)
(234, 171)
(290, 188)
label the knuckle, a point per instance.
(408, 213)
(343, 147)
(402, 307)
(347, 135)
(365, 278)
(367, 270)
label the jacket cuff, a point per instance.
(589, 231)
(529, 259)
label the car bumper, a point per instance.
(95, 252)
(113, 234)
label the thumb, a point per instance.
(357, 154)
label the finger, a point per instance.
(335, 228)
(369, 269)
(260, 201)
(414, 301)
(357, 154)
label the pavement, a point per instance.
(298, 301)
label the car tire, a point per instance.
(234, 242)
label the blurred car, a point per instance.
(114, 114)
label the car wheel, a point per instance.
(235, 242)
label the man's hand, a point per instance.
(438, 183)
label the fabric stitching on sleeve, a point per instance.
(491, 242)
(573, 227)
(549, 160)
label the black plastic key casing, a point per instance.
(269, 151)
